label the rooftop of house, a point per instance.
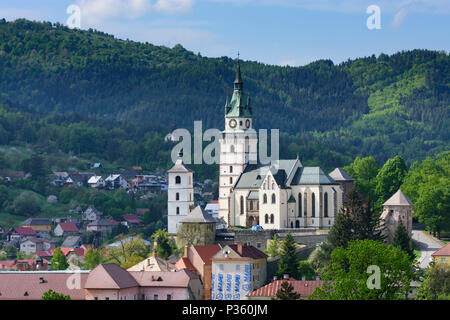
(153, 263)
(339, 174)
(36, 222)
(110, 276)
(24, 285)
(398, 199)
(247, 251)
(198, 215)
(206, 252)
(24, 231)
(68, 226)
(179, 279)
(131, 218)
(444, 251)
(303, 287)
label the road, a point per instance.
(427, 245)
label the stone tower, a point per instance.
(238, 145)
(398, 209)
(180, 195)
(197, 228)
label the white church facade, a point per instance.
(283, 194)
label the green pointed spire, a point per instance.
(239, 106)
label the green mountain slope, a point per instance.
(378, 106)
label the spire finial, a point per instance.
(238, 80)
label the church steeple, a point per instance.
(239, 105)
(238, 84)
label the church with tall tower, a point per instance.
(282, 194)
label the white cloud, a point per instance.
(95, 11)
(399, 17)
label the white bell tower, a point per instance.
(180, 194)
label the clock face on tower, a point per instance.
(232, 123)
(247, 123)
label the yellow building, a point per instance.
(442, 255)
(37, 224)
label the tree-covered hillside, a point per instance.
(380, 106)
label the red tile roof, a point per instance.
(68, 226)
(207, 252)
(25, 231)
(131, 218)
(27, 285)
(303, 287)
(184, 263)
(110, 276)
(79, 251)
(112, 222)
(444, 251)
(249, 252)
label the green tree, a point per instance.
(389, 179)
(11, 252)
(128, 253)
(436, 283)
(52, 295)
(350, 275)
(286, 292)
(164, 245)
(320, 258)
(402, 240)
(305, 270)
(273, 248)
(288, 263)
(92, 258)
(364, 171)
(26, 204)
(59, 261)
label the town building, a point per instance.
(115, 181)
(153, 263)
(197, 228)
(92, 214)
(96, 182)
(345, 181)
(32, 245)
(397, 209)
(37, 224)
(65, 229)
(17, 234)
(237, 270)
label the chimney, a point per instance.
(239, 248)
(275, 278)
(303, 278)
(286, 276)
(186, 251)
(154, 254)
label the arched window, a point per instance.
(292, 225)
(325, 204)
(271, 218)
(231, 180)
(265, 198)
(241, 205)
(297, 224)
(299, 204)
(305, 207)
(273, 198)
(178, 210)
(313, 205)
(251, 205)
(177, 180)
(273, 186)
(266, 218)
(264, 186)
(177, 196)
(232, 149)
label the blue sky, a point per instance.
(281, 32)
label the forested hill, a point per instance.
(380, 106)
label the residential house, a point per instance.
(213, 208)
(153, 263)
(110, 282)
(59, 178)
(37, 224)
(131, 220)
(76, 180)
(36, 244)
(96, 182)
(18, 234)
(442, 255)
(199, 260)
(65, 228)
(115, 181)
(92, 214)
(101, 225)
(303, 287)
(237, 270)
(71, 242)
(27, 285)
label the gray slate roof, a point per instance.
(179, 167)
(312, 175)
(253, 195)
(398, 199)
(198, 216)
(339, 174)
(71, 242)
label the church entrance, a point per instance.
(297, 224)
(251, 221)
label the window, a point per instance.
(241, 205)
(177, 180)
(155, 297)
(178, 210)
(232, 149)
(169, 297)
(266, 218)
(297, 224)
(95, 298)
(251, 205)
(443, 259)
(177, 196)
(265, 198)
(273, 186)
(231, 169)
(273, 198)
(292, 225)
(325, 204)
(231, 180)
(313, 205)
(299, 204)
(271, 218)
(305, 207)
(106, 298)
